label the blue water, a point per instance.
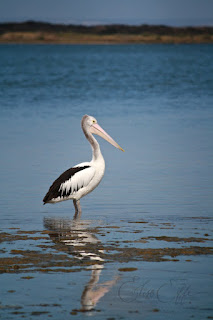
(40, 80)
(156, 101)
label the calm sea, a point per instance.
(156, 101)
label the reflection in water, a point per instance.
(78, 235)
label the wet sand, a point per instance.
(137, 267)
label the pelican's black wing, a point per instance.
(56, 191)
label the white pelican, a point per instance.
(83, 178)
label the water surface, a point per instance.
(156, 102)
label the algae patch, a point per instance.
(77, 249)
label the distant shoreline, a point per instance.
(31, 32)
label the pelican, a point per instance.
(83, 178)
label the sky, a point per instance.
(90, 12)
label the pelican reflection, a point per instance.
(83, 244)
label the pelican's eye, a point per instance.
(93, 121)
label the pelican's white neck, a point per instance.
(96, 151)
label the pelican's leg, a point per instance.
(77, 208)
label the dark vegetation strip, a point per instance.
(33, 26)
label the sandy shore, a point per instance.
(76, 38)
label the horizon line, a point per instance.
(102, 23)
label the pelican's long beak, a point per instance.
(96, 129)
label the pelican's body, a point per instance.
(80, 180)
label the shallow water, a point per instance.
(143, 246)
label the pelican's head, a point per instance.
(90, 124)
